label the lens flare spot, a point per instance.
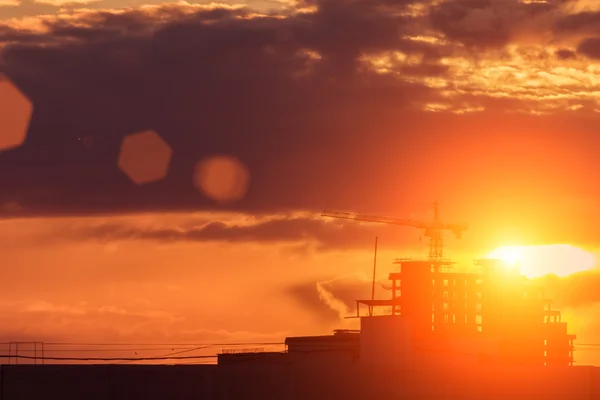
(222, 178)
(86, 141)
(144, 157)
(15, 114)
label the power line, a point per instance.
(205, 357)
(197, 363)
(151, 344)
(185, 351)
(179, 352)
(105, 358)
(106, 350)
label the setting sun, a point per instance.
(536, 261)
(512, 255)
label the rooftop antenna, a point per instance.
(373, 285)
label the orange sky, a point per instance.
(64, 285)
(204, 227)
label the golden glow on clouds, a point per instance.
(427, 39)
(439, 107)
(526, 70)
(420, 9)
(535, 261)
(534, 1)
(86, 17)
(390, 62)
(577, 6)
(298, 6)
(63, 3)
(532, 74)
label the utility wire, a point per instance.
(175, 355)
(186, 351)
(197, 363)
(187, 348)
(142, 344)
(178, 352)
(47, 350)
(106, 358)
(250, 355)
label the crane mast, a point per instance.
(433, 230)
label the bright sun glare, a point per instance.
(536, 261)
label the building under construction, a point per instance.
(494, 312)
(441, 334)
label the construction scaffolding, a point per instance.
(496, 301)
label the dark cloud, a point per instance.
(327, 235)
(590, 48)
(485, 23)
(584, 22)
(289, 97)
(210, 82)
(565, 54)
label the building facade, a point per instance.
(495, 310)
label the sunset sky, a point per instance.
(247, 120)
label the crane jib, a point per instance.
(433, 230)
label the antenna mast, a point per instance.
(374, 270)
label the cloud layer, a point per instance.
(315, 101)
(378, 106)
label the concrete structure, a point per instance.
(385, 340)
(496, 305)
(496, 311)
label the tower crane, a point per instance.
(433, 230)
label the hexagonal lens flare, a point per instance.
(145, 157)
(15, 115)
